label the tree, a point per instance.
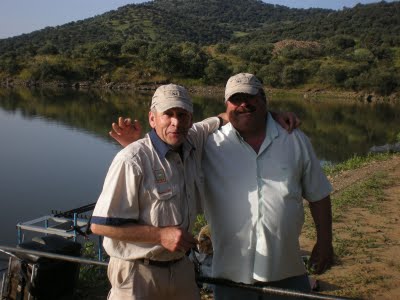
(9, 64)
(217, 71)
(383, 81)
(363, 55)
(108, 50)
(164, 57)
(272, 74)
(293, 75)
(193, 60)
(134, 46)
(48, 49)
(339, 43)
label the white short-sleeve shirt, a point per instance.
(254, 202)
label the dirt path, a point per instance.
(367, 237)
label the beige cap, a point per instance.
(242, 83)
(169, 96)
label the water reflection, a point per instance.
(338, 129)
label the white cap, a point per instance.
(242, 83)
(170, 96)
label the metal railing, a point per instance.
(216, 281)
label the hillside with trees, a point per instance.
(202, 42)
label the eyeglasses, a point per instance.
(239, 98)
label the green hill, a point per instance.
(204, 41)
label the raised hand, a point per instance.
(126, 131)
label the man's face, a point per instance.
(246, 112)
(171, 125)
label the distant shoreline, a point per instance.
(308, 94)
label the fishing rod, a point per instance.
(209, 280)
(6, 249)
(78, 210)
(268, 290)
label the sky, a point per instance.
(24, 16)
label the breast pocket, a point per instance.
(164, 191)
(290, 182)
(165, 208)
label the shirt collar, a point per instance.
(272, 130)
(162, 147)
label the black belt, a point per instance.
(159, 263)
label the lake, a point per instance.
(55, 149)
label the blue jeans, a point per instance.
(296, 283)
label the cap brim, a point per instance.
(245, 89)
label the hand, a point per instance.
(321, 258)
(176, 239)
(288, 120)
(126, 132)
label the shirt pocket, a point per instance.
(289, 182)
(164, 191)
(164, 207)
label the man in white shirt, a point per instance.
(257, 175)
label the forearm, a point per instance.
(321, 212)
(171, 238)
(129, 233)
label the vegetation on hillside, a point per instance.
(205, 41)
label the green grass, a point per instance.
(355, 162)
(93, 282)
(350, 240)
(358, 195)
(365, 194)
(238, 34)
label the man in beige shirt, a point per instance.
(150, 200)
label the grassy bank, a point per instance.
(365, 228)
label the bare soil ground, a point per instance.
(367, 265)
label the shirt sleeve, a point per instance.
(118, 202)
(315, 184)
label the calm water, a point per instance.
(55, 149)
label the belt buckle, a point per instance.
(146, 261)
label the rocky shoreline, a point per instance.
(117, 86)
(308, 94)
